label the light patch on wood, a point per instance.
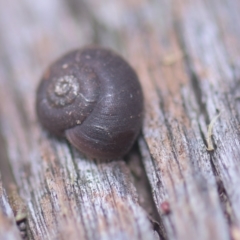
(210, 133)
(172, 58)
(17, 204)
(235, 231)
(8, 228)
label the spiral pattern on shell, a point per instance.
(93, 98)
(62, 91)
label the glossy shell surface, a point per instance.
(93, 98)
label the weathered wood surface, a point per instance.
(187, 55)
(8, 227)
(67, 196)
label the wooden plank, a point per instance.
(183, 176)
(186, 54)
(169, 46)
(8, 227)
(217, 72)
(67, 196)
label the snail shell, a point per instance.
(93, 98)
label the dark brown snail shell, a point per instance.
(93, 98)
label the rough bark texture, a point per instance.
(187, 56)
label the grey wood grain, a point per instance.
(164, 46)
(8, 227)
(186, 54)
(67, 196)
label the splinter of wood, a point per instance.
(210, 133)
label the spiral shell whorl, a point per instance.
(67, 94)
(63, 91)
